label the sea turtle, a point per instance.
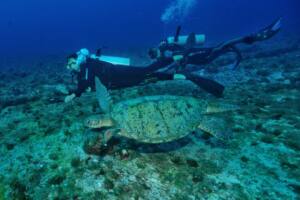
(155, 119)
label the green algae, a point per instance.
(109, 184)
(19, 190)
(2, 192)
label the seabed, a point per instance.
(47, 153)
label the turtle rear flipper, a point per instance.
(215, 127)
(103, 96)
(217, 107)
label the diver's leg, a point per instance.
(159, 64)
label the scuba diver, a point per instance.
(190, 54)
(114, 76)
(170, 59)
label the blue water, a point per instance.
(250, 152)
(55, 27)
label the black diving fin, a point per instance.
(270, 30)
(206, 84)
(265, 33)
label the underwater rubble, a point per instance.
(47, 153)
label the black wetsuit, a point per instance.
(120, 76)
(115, 76)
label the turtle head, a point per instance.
(99, 121)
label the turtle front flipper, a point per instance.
(103, 96)
(99, 121)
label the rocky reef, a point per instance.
(47, 153)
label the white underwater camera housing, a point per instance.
(83, 54)
(115, 60)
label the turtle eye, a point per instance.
(89, 123)
(93, 123)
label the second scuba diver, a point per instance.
(170, 56)
(189, 54)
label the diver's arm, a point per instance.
(82, 84)
(81, 87)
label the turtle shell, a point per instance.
(158, 119)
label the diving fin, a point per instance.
(103, 96)
(208, 85)
(276, 26)
(269, 31)
(265, 33)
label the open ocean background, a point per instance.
(58, 27)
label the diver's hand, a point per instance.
(69, 98)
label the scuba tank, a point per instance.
(183, 40)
